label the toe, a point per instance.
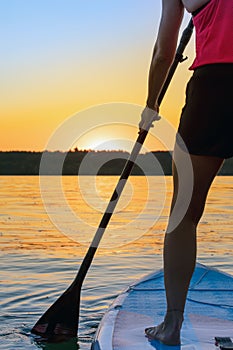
(151, 331)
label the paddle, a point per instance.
(60, 321)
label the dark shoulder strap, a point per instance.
(194, 13)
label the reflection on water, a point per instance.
(38, 261)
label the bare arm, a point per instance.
(164, 50)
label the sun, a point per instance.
(108, 138)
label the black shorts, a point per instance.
(206, 123)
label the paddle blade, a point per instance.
(60, 321)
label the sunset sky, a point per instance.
(60, 57)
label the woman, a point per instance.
(205, 130)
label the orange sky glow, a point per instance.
(61, 58)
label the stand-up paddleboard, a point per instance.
(208, 314)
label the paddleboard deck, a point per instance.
(208, 314)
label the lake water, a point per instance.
(44, 238)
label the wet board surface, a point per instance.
(208, 313)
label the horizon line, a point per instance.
(76, 151)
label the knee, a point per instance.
(186, 215)
(196, 208)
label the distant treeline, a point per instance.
(89, 163)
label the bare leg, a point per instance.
(180, 238)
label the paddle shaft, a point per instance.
(110, 208)
(186, 35)
(61, 319)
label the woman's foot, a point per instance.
(168, 332)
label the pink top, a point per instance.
(214, 33)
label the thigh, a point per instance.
(192, 178)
